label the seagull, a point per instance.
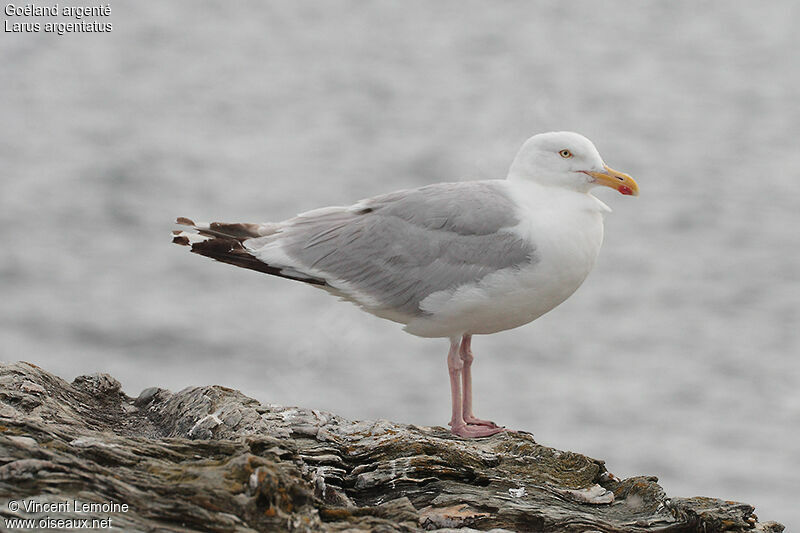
(448, 260)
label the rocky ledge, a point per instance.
(212, 459)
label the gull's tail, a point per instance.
(225, 242)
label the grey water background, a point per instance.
(677, 358)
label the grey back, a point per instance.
(401, 247)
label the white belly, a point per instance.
(567, 243)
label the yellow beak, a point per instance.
(616, 180)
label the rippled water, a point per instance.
(678, 357)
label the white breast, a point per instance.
(567, 230)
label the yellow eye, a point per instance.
(566, 154)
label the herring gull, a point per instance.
(448, 260)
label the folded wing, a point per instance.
(386, 253)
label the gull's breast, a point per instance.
(567, 239)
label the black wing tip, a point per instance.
(223, 243)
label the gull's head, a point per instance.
(568, 160)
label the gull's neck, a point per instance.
(541, 196)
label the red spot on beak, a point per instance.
(624, 189)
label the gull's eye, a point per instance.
(566, 154)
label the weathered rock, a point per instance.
(212, 459)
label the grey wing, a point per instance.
(392, 251)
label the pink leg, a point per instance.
(466, 379)
(458, 426)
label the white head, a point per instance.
(568, 160)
